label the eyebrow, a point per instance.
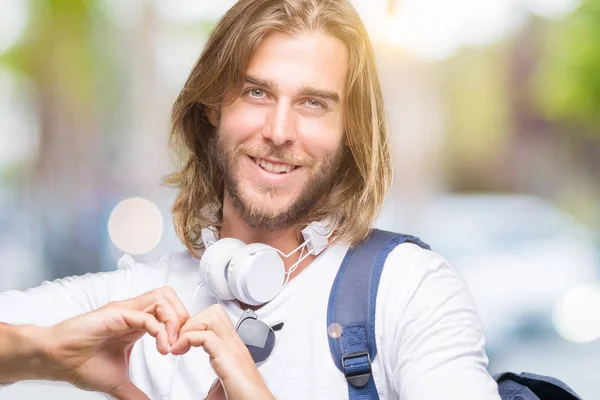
(330, 95)
(326, 94)
(266, 83)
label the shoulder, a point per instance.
(408, 261)
(414, 278)
(168, 261)
(149, 275)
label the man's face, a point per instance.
(280, 142)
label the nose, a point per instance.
(279, 127)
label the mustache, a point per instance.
(260, 150)
(273, 152)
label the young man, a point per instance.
(281, 124)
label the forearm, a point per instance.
(22, 354)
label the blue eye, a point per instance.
(256, 93)
(314, 103)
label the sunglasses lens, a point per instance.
(258, 338)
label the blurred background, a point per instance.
(494, 110)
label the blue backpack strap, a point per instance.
(530, 386)
(352, 304)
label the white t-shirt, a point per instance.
(429, 336)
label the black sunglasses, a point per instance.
(258, 337)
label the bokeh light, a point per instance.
(433, 30)
(135, 225)
(577, 314)
(13, 22)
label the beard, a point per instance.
(258, 216)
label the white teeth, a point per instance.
(275, 168)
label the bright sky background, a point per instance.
(435, 29)
(427, 29)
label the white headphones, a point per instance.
(254, 273)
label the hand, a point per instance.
(92, 351)
(213, 330)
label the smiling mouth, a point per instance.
(275, 168)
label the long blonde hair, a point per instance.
(364, 176)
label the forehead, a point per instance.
(293, 61)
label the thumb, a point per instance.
(128, 391)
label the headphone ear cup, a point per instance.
(256, 274)
(214, 265)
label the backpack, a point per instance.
(352, 303)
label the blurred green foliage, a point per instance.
(476, 88)
(60, 49)
(568, 84)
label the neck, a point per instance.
(285, 240)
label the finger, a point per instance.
(162, 342)
(175, 313)
(158, 303)
(123, 321)
(208, 340)
(128, 391)
(172, 303)
(177, 304)
(139, 320)
(224, 326)
(214, 318)
(196, 323)
(220, 312)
